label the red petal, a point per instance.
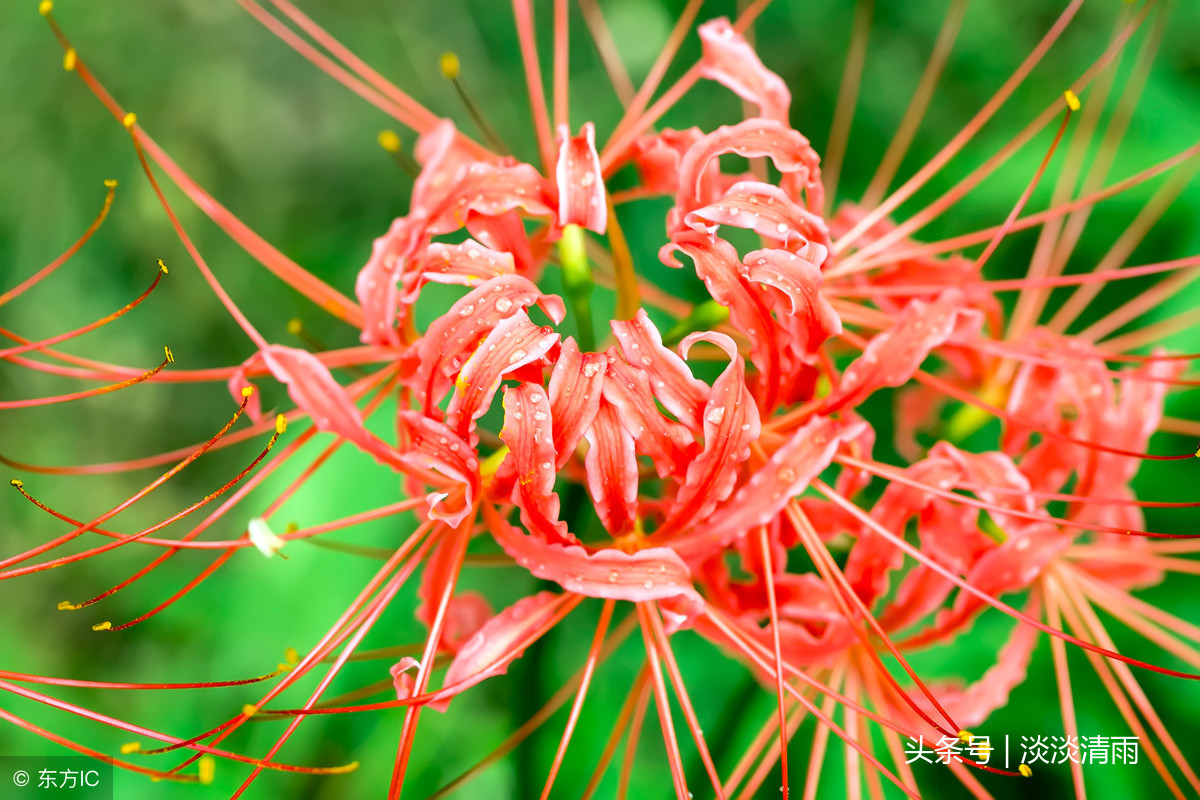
(469, 263)
(673, 384)
(316, 393)
(652, 574)
(658, 159)
(785, 475)
(810, 318)
(893, 356)
(753, 138)
(764, 209)
(490, 190)
(731, 61)
(514, 342)
(581, 196)
(612, 474)
(527, 432)
(454, 336)
(376, 287)
(433, 446)
(401, 679)
(731, 424)
(575, 394)
(669, 444)
(499, 642)
(506, 233)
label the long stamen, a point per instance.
(451, 69)
(168, 358)
(1072, 106)
(847, 101)
(607, 48)
(917, 106)
(588, 668)
(62, 337)
(773, 608)
(663, 704)
(195, 454)
(32, 280)
(636, 700)
(523, 14)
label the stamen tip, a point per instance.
(69, 59)
(1025, 770)
(450, 65)
(67, 605)
(247, 391)
(207, 767)
(390, 140)
(249, 710)
(161, 264)
(131, 747)
(17, 483)
(45, 7)
(1072, 100)
(130, 120)
(291, 656)
(111, 183)
(280, 424)
(170, 355)
(965, 737)
(102, 626)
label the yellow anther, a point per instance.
(207, 767)
(69, 59)
(131, 747)
(390, 140)
(965, 736)
(249, 710)
(130, 120)
(280, 423)
(247, 391)
(1025, 770)
(170, 355)
(102, 626)
(45, 7)
(295, 327)
(449, 64)
(291, 527)
(163, 266)
(291, 656)
(283, 667)
(16, 483)
(1072, 100)
(67, 605)
(111, 183)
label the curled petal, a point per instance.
(512, 344)
(893, 356)
(797, 278)
(731, 424)
(403, 682)
(490, 190)
(730, 60)
(499, 642)
(788, 149)
(673, 384)
(658, 158)
(972, 705)
(612, 475)
(454, 336)
(469, 263)
(434, 446)
(785, 475)
(767, 211)
(668, 443)
(505, 233)
(527, 432)
(575, 393)
(655, 573)
(581, 196)
(717, 264)
(376, 286)
(317, 394)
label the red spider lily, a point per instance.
(704, 488)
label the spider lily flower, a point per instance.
(741, 441)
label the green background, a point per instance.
(294, 155)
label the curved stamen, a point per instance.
(168, 358)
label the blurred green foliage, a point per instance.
(294, 155)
